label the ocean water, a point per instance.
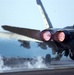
(13, 48)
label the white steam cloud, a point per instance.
(36, 63)
(2, 67)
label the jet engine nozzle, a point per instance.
(46, 35)
(59, 36)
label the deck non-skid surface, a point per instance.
(43, 72)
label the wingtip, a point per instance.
(4, 26)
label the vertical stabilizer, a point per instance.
(44, 14)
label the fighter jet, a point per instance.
(61, 40)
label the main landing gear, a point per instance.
(48, 58)
(71, 55)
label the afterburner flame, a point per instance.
(46, 35)
(59, 36)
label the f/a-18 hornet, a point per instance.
(61, 40)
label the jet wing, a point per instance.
(21, 33)
(8, 35)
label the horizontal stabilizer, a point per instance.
(31, 33)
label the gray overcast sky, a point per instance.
(25, 13)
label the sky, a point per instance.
(25, 13)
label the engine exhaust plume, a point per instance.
(59, 36)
